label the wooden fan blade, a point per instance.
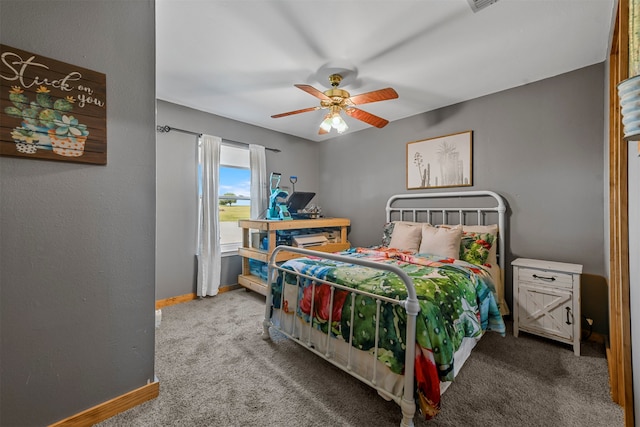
(373, 120)
(322, 131)
(375, 96)
(304, 110)
(313, 91)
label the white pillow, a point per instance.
(388, 230)
(406, 236)
(493, 228)
(440, 241)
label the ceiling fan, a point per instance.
(336, 100)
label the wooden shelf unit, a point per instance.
(270, 227)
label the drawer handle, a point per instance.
(549, 279)
(569, 321)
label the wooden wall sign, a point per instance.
(51, 110)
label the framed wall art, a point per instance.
(51, 110)
(445, 161)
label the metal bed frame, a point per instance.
(406, 401)
(461, 213)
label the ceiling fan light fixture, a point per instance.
(326, 124)
(337, 100)
(341, 127)
(336, 120)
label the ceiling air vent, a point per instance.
(477, 5)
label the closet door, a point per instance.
(619, 352)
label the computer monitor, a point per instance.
(299, 200)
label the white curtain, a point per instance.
(208, 252)
(258, 162)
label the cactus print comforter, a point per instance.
(457, 300)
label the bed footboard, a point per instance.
(294, 331)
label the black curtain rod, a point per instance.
(166, 129)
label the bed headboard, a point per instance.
(479, 207)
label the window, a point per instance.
(234, 194)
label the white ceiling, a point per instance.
(239, 59)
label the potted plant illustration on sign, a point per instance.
(47, 123)
(51, 110)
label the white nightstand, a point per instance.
(546, 298)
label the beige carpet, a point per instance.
(215, 370)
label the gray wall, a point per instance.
(540, 146)
(176, 188)
(77, 241)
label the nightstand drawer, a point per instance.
(545, 277)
